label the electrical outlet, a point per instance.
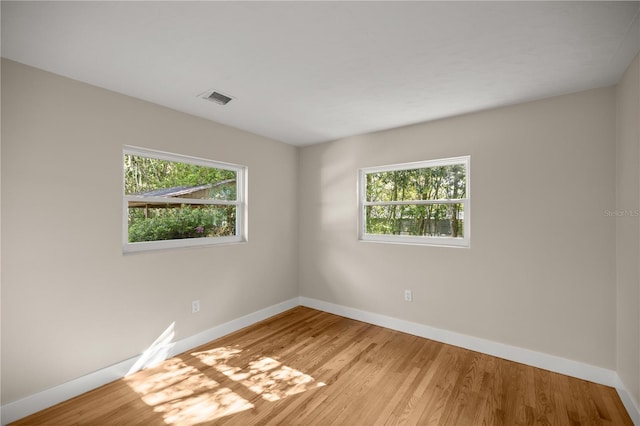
(195, 306)
(408, 295)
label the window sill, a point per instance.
(178, 244)
(417, 241)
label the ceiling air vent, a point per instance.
(216, 97)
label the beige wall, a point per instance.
(628, 229)
(72, 303)
(540, 273)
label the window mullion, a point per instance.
(414, 202)
(167, 200)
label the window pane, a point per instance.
(179, 221)
(432, 183)
(162, 178)
(434, 220)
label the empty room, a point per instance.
(315, 213)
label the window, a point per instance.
(416, 203)
(172, 200)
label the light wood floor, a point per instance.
(306, 367)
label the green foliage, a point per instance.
(431, 220)
(155, 221)
(424, 184)
(181, 223)
(431, 183)
(142, 174)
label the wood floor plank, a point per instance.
(307, 367)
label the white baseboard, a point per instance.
(512, 353)
(629, 403)
(41, 400)
(18, 409)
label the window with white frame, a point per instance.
(425, 202)
(173, 200)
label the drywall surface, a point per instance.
(627, 220)
(540, 272)
(72, 303)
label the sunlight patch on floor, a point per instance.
(265, 376)
(184, 395)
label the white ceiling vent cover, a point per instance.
(215, 96)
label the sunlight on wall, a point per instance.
(186, 395)
(338, 187)
(333, 223)
(157, 352)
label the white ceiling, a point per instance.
(308, 72)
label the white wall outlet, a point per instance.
(408, 295)
(195, 306)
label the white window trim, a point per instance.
(240, 203)
(413, 239)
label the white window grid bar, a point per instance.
(176, 200)
(414, 202)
